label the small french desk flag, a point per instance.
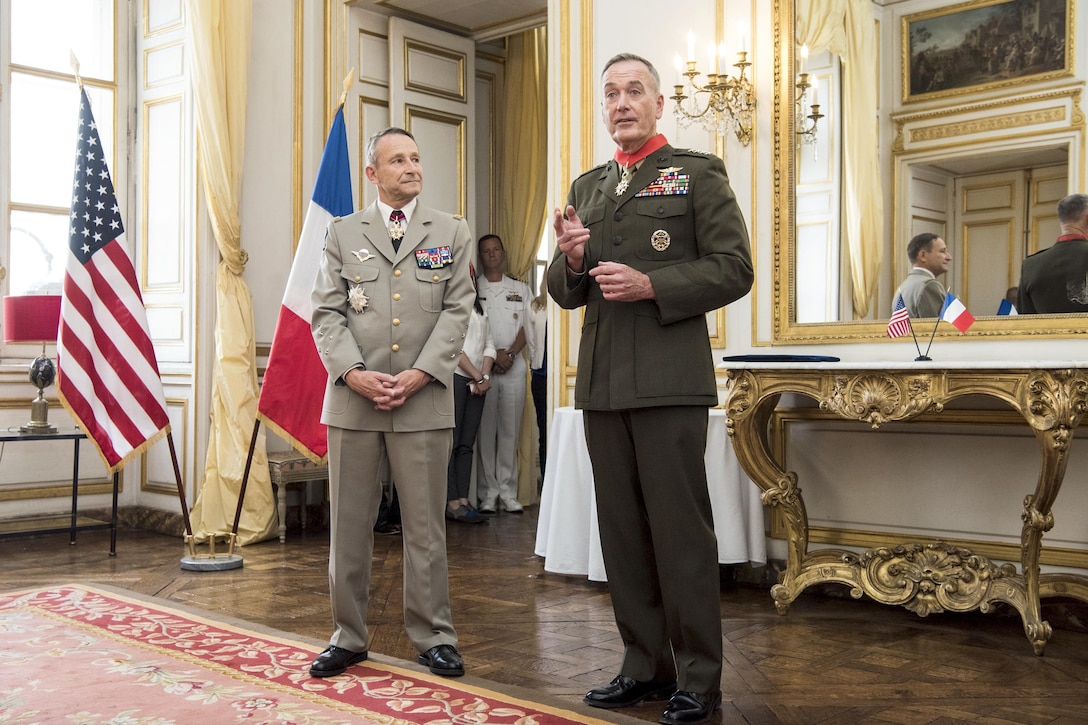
(956, 312)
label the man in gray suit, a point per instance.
(391, 307)
(923, 294)
(649, 243)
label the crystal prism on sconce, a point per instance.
(723, 103)
(805, 122)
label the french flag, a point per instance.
(956, 312)
(294, 381)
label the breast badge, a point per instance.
(660, 240)
(363, 254)
(358, 299)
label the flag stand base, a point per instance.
(923, 358)
(210, 561)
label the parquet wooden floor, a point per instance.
(829, 660)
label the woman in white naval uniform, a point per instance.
(506, 301)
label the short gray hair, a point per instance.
(372, 143)
(621, 57)
(1072, 208)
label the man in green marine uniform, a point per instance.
(649, 243)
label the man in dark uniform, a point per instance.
(649, 243)
(1056, 279)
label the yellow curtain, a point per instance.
(523, 184)
(847, 28)
(218, 38)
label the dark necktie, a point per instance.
(396, 228)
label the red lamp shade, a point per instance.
(31, 318)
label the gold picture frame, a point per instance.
(983, 45)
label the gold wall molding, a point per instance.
(1055, 114)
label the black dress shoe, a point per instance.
(443, 660)
(334, 661)
(624, 691)
(690, 708)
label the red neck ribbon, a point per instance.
(1072, 238)
(645, 150)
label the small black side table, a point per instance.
(75, 436)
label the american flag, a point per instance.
(107, 375)
(899, 324)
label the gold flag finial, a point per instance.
(347, 85)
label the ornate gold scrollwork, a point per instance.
(877, 398)
(1055, 401)
(928, 578)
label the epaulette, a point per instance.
(693, 152)
(595, 169)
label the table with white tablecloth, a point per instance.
(567, 536)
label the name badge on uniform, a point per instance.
(669, 183)
(434, 258)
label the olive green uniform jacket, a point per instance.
(678, 222)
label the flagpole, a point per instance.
(917, 347)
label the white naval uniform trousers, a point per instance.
(507, 305)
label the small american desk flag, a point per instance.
(899, 324)
(107, 374)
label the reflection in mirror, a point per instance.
(986, 175)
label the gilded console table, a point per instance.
(1051, 397)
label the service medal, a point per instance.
(396, 231)
(660, 240)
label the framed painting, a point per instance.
(985, 44)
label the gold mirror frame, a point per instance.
(784, 327)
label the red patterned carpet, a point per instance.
(94, 655)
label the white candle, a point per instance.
(742, 36)
(691, 46)
(804, 58)
(814, 100)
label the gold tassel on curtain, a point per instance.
(523, 184)
(218, 40)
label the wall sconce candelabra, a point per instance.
(724, 102)
(805, 123)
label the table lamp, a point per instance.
(35, 318)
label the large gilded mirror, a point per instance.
(947, 160)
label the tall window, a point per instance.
(38, 127)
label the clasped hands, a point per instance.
(618, 282)
(387, 391)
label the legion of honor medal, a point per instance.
(396, 231)
(625, 181)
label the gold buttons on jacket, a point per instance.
(396, 296)
(358, 278)
(395, 348)
(397, 273)
(396, 321)
(434, 278)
